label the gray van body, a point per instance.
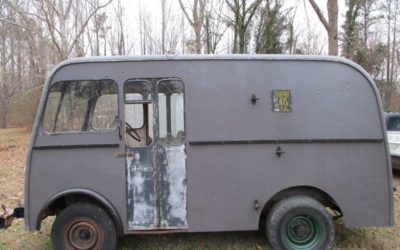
(239, 152)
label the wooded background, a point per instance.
(38, 34)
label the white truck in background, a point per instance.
(392, 121)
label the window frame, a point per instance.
(169, 106)
(149, 102)
(43, 111)
(94, 109)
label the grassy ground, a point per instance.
(13, 145)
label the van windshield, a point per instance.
(74, 106)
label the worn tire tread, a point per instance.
(89, 210)
(286, 205)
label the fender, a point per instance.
(86, 192)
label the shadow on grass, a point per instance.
(365, 238)
(345, 238)
(226, 240)
(372, 238)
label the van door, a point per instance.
(171, 154)
(155, 154)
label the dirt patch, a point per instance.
(2, 149)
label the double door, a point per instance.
(155, 154)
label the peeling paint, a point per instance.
(143, 193)
(174, 185)
(141, 190)
(156, 173)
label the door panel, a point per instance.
(141, 170)
(173, 187)
(142, 209)
(155, 155)
(172, 156)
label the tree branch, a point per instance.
(186, 14)
(85, 24)
(15, 24)
(252, 8)
(320, 15)
(50, 26)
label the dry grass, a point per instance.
(13, 145)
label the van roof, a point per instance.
(208, 57)
(193, 57)
(198, 57)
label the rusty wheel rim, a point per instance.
(82, 234)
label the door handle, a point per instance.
(279, 152)
(121, 154)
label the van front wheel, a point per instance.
(83, 226)
(299, 223)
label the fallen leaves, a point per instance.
(13, 148)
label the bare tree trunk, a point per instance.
(3, 83)
(56, 16)
(183, 37)
(141, 31)
(163, 25)
(196, 20)
(333, 23)
(3, 114)
(242, 17)
(331, 26)
(389, 15)
(394, 43)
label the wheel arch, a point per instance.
(67, 197)
(318, 194)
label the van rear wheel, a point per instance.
(83, 226)
(299, 223)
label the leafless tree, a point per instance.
(57, 16)
(214, 25)
(196, 20)
(242, 15)
(163, 24)
(117, 37)
(272, 26)
(148, 37)
(330, 25)
(171, 29)
(37, 34)
(23, 54)
(97, 31)
(389, 84)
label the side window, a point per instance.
(134, 111)
(171, 111)
(394, 124)
(53, 102)
(162, 115)
(105, 112)
(75, 106)
(138, 113)
(177, 112)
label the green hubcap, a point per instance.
(302, 232)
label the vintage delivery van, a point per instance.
(162, 144)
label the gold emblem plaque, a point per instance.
(281, 101)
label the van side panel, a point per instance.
(333, 140)
(79, 160)
(328, 101)
(335, 123)
(226, 187)
(57, 170)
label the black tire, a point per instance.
(83, 226)
(299, 222)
